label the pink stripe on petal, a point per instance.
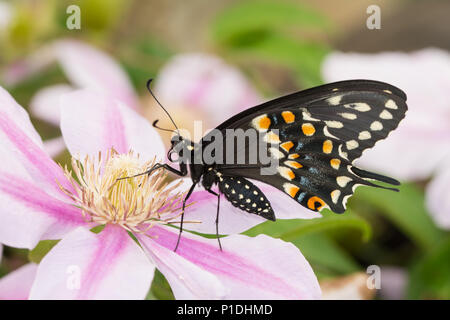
(248, 267)
(187, 280)
(114, 134)
(38, 200)
(38, 164)
(28, 214)
(85, 265)
(92, 122)
(110, 244)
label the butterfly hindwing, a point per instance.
(246, 196)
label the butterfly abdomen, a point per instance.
(246, 196)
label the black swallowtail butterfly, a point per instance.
(315, 135)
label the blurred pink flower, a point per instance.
(438, 197)
(84, 67)
(206, 82)
(6, 15)
(110, 264)
(394, 281)
(422, 140)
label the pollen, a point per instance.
(107, 193)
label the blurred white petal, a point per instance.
(204, 81)
(45, 103)
(393, 283)
(351, 287)
(54, 146)
(438, 198)
(422, 139)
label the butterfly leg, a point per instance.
(182, 172)
(217, 216)
(182, 214)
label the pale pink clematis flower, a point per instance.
(422, 140)
(207, 83)
(84, 66)
(42, 201)
(6, 15)
(437, 197)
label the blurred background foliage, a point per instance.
(279, 45)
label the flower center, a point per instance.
(135, 203)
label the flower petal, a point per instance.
(84, 265)
(54, 146)
(394, 283)
(231, 219)
(250, 268)
(22, 149)
(93, 122)
(29, 214)
(17, 284)
(186, 280)
(204, 81)
(87, 67)
(426, 128)
(45, 103)
(438, 200)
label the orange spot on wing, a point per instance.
(264, 123)
(313, 201)
(308, 129)
(292, 190)
(327, 146)
(293, 156)
(287, 146)
(293, 164)
(335, 163)
(288, 116)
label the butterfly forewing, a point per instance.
(316, 135)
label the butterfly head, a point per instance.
(179, 146)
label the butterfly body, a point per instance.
(312, 136)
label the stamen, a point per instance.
(136, 204)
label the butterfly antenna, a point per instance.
(158, 127)
(154, 97)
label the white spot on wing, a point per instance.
(342, 181)
(334, 124)
(334, 101)
(364, 135)
(376, 126)
(342, 153)
(385, 115)
(349, 116)
(285, 173)
(307, 116)
(275, 153)
(335, 195)
(327, 133)
(352, 144)
(359, 106)
(391, 104)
